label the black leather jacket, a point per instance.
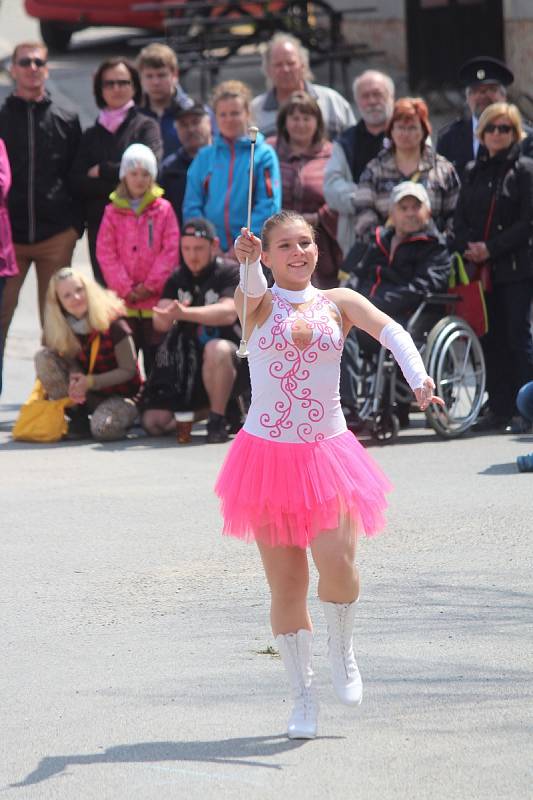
(41, 140)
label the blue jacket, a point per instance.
(217, 186)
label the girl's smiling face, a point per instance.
(72, 296)
(291, 255)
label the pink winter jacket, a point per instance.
(139, 246)
(8, 263)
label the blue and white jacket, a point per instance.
(217, 186)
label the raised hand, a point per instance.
(247, 246)
(425, 395)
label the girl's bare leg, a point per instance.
(287, 573)
(333, 552)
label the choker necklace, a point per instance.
(300, 296)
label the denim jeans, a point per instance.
(524, 401)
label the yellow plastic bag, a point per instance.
(40, 419)
(43, 420)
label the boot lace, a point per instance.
(344, 653)
(305, 705)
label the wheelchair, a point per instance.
(453, 357)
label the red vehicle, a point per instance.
(59, 19)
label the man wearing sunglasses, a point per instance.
(41, 140)
(485, 81)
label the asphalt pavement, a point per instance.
(137, 660)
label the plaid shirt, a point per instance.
(106, 360)
(372, 197)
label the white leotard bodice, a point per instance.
(295, 369)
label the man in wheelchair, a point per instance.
(407, 259)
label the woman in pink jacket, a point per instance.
(8, 263)
(138, 244)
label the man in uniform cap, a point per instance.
(485, 80)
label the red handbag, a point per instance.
(471, 305)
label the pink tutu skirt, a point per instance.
(285, 494)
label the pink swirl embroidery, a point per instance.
(291, 368)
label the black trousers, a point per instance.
(146, 339)
(92, 235)
(508, 346)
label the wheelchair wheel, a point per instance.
(454, 359)
(386, 427)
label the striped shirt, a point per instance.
(372, 196)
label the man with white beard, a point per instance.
(374, 96)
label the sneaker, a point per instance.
(216, 429)
(525, 463)
(490, 423)
(518, 424)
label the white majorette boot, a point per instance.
(295, 650)
(347, 683)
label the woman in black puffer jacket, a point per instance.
(494, 230)
(94, 175)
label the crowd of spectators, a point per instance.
(159, 182)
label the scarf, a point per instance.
(112, 118)
(78, 326)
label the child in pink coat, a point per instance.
(138, 244)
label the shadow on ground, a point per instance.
(242, 751)
(509, 468)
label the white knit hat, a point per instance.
(138, 156)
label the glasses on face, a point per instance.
(492, 128)
(26, 61)
(121, 83)
(406, 128)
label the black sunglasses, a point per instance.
(120, 82)
(491, 128)
(26, 61)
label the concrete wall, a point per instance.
(385, 30)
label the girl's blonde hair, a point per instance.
(501, 110)
(232, 90)
(103, 307)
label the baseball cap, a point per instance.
(409, 189)
(197, 109)
(199, 227)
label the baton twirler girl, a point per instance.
(295, 477)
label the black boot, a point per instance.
(79, 426)
(216, 429)
(234, 418)
(490, 423)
